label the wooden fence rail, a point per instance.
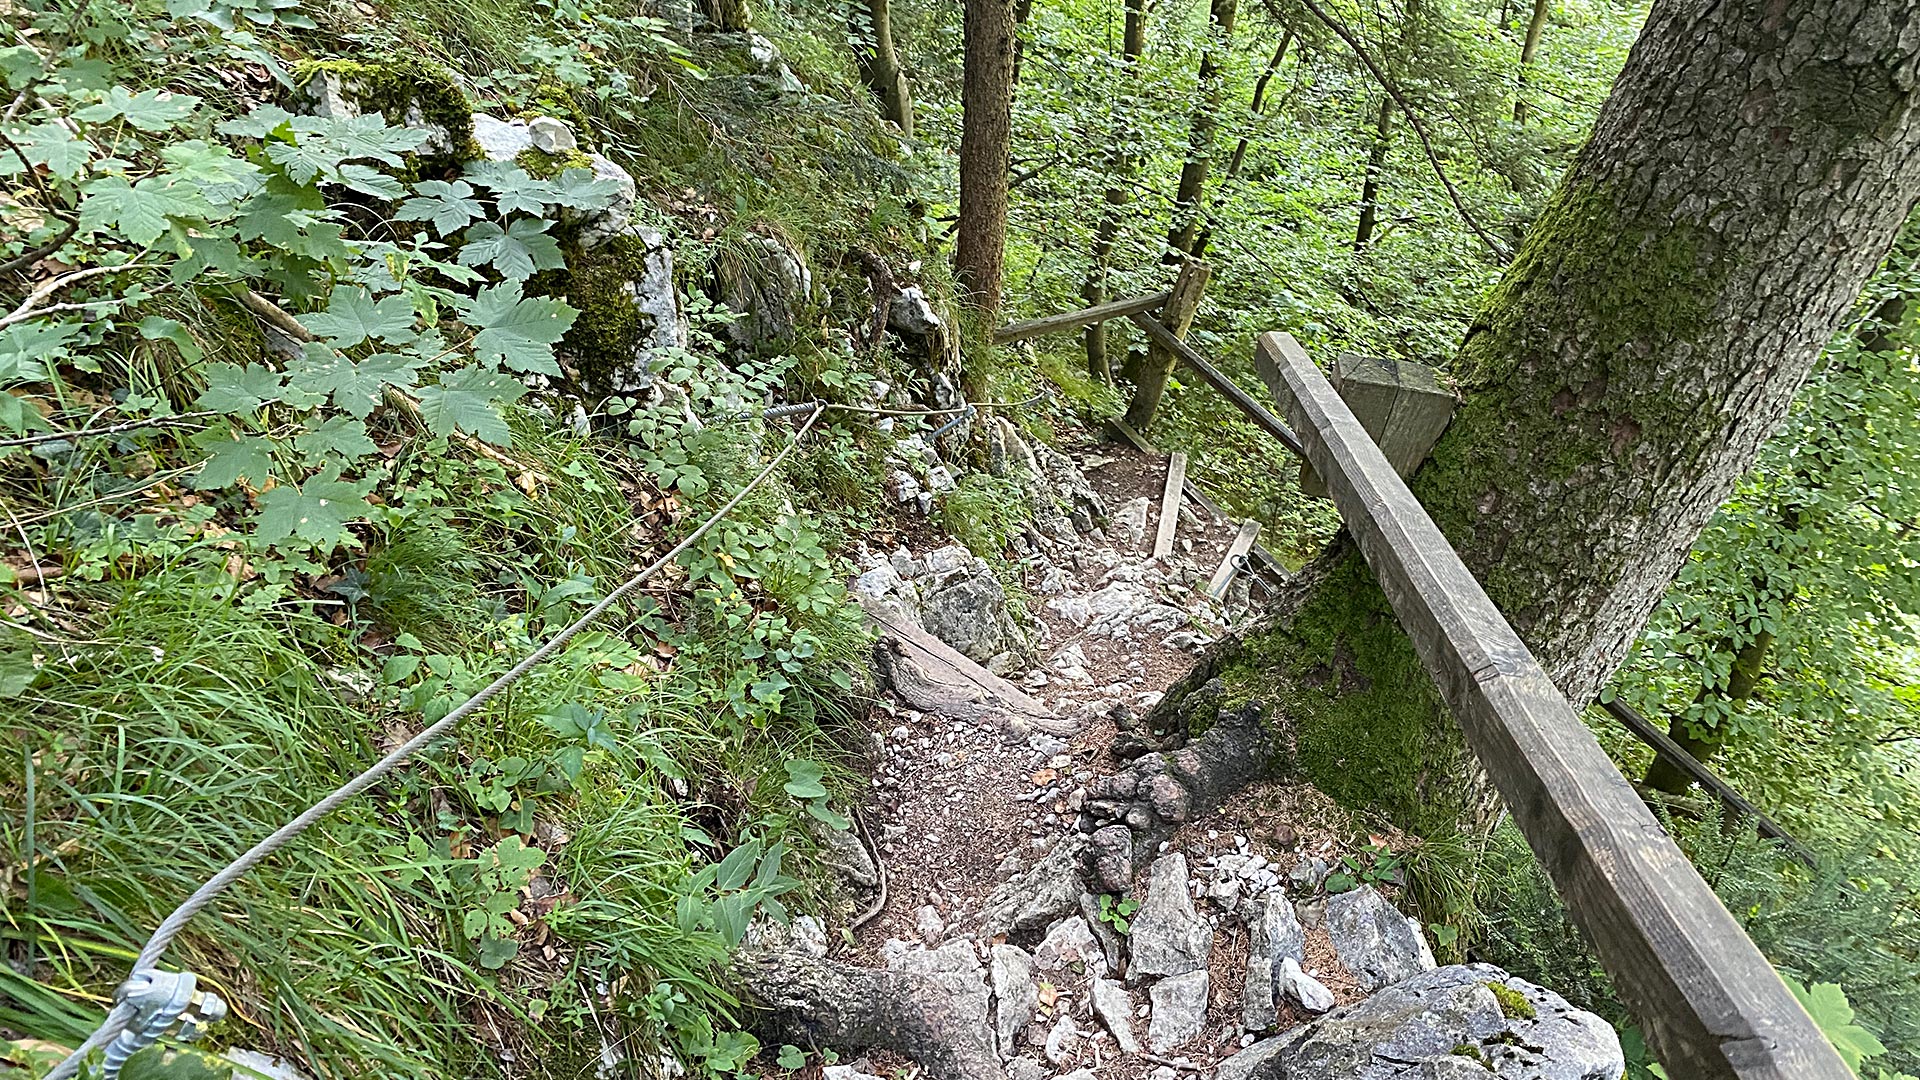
(1710, 1004)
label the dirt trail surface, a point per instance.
(1026, 932)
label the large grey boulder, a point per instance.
(1449, 1022)
(767, 283)
(1374, 941)
(1169, 938)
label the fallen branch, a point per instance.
(40, 295)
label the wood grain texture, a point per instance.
(1241, 400)
(1230, 562)
(1170, 505)
(1175, 318)
(1074, 320)
(1710, 1004)
(1264, 559)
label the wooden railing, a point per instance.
(1710, 1004)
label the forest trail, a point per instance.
(1083, 957)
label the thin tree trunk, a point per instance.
(1205, 126)
(1240, 148)
(986, 96)
(1619, 380)
(1021, 10)
(1118, 195)
(729, 16)
(1531, 45)
(880, 66)
(1370, 184)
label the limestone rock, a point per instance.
(1168, 937)
(843, 853)
(1290, 980)
(1110, 850)
(1416, 1026)
(1114, 1006)
(1179, 1011)
(845, 1072)
(1023, 909)
(1128, 526)
(1010, 976)
(1069, 942)
(912, 313)
(1275, 934)
(406, 94)
(551, 135)
(767, 282)
(928, 924)
(1063, 1042)
(1374, 941)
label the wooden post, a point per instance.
(1230, 562)
(1711, 1005)
(1400, 403)
(1170, 505)
(1177, 316)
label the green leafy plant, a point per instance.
(1117, 912)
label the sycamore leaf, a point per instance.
(449, 206)
(516, 251)
(263, 121)
(246, 458)
(148, 110)
(317, 511)
(513, 188)
(52, 145)
(581, 189)
(353, 316)
(337, 435)
(465, 400)
(292, 218)
(198, 161)
(27, 348)
(140, 211)
(232, 389)
(519, 333)
(371, 181)
(355, 387)
(1827, 1004)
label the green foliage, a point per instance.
(1117, 912)
(983, 512)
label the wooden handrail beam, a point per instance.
(1242, 400)
(1648, 732)
(1710, 1004)
(1074, 320)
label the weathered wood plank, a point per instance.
(1400, 403)
(1265, 559)
(1710, 1004)
(1650, 733)
(1170, 505)
(1241, 400)
(1176, 318)
(1230, 562)
(1074, 320)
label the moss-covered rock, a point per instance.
(629, 310)
(403, 90)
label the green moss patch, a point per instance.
(1513, 1004)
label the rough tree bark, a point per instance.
(1749, 169)
(728, 16)
(880, 66)
(1535, 26)
(986, 97)
(1206, 125)
(1370, 183)
(1119, 194)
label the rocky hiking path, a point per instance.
(1016, 925)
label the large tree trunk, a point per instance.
(1743, 179)
(1531, 45)
(880, 66)
(1200, 139)
(1123, 165)
(986, 98)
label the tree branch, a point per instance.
(1420, 129)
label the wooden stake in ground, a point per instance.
(1177, 316)
(1230, 563)
(1170, 505)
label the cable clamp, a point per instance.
(160, 1000)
